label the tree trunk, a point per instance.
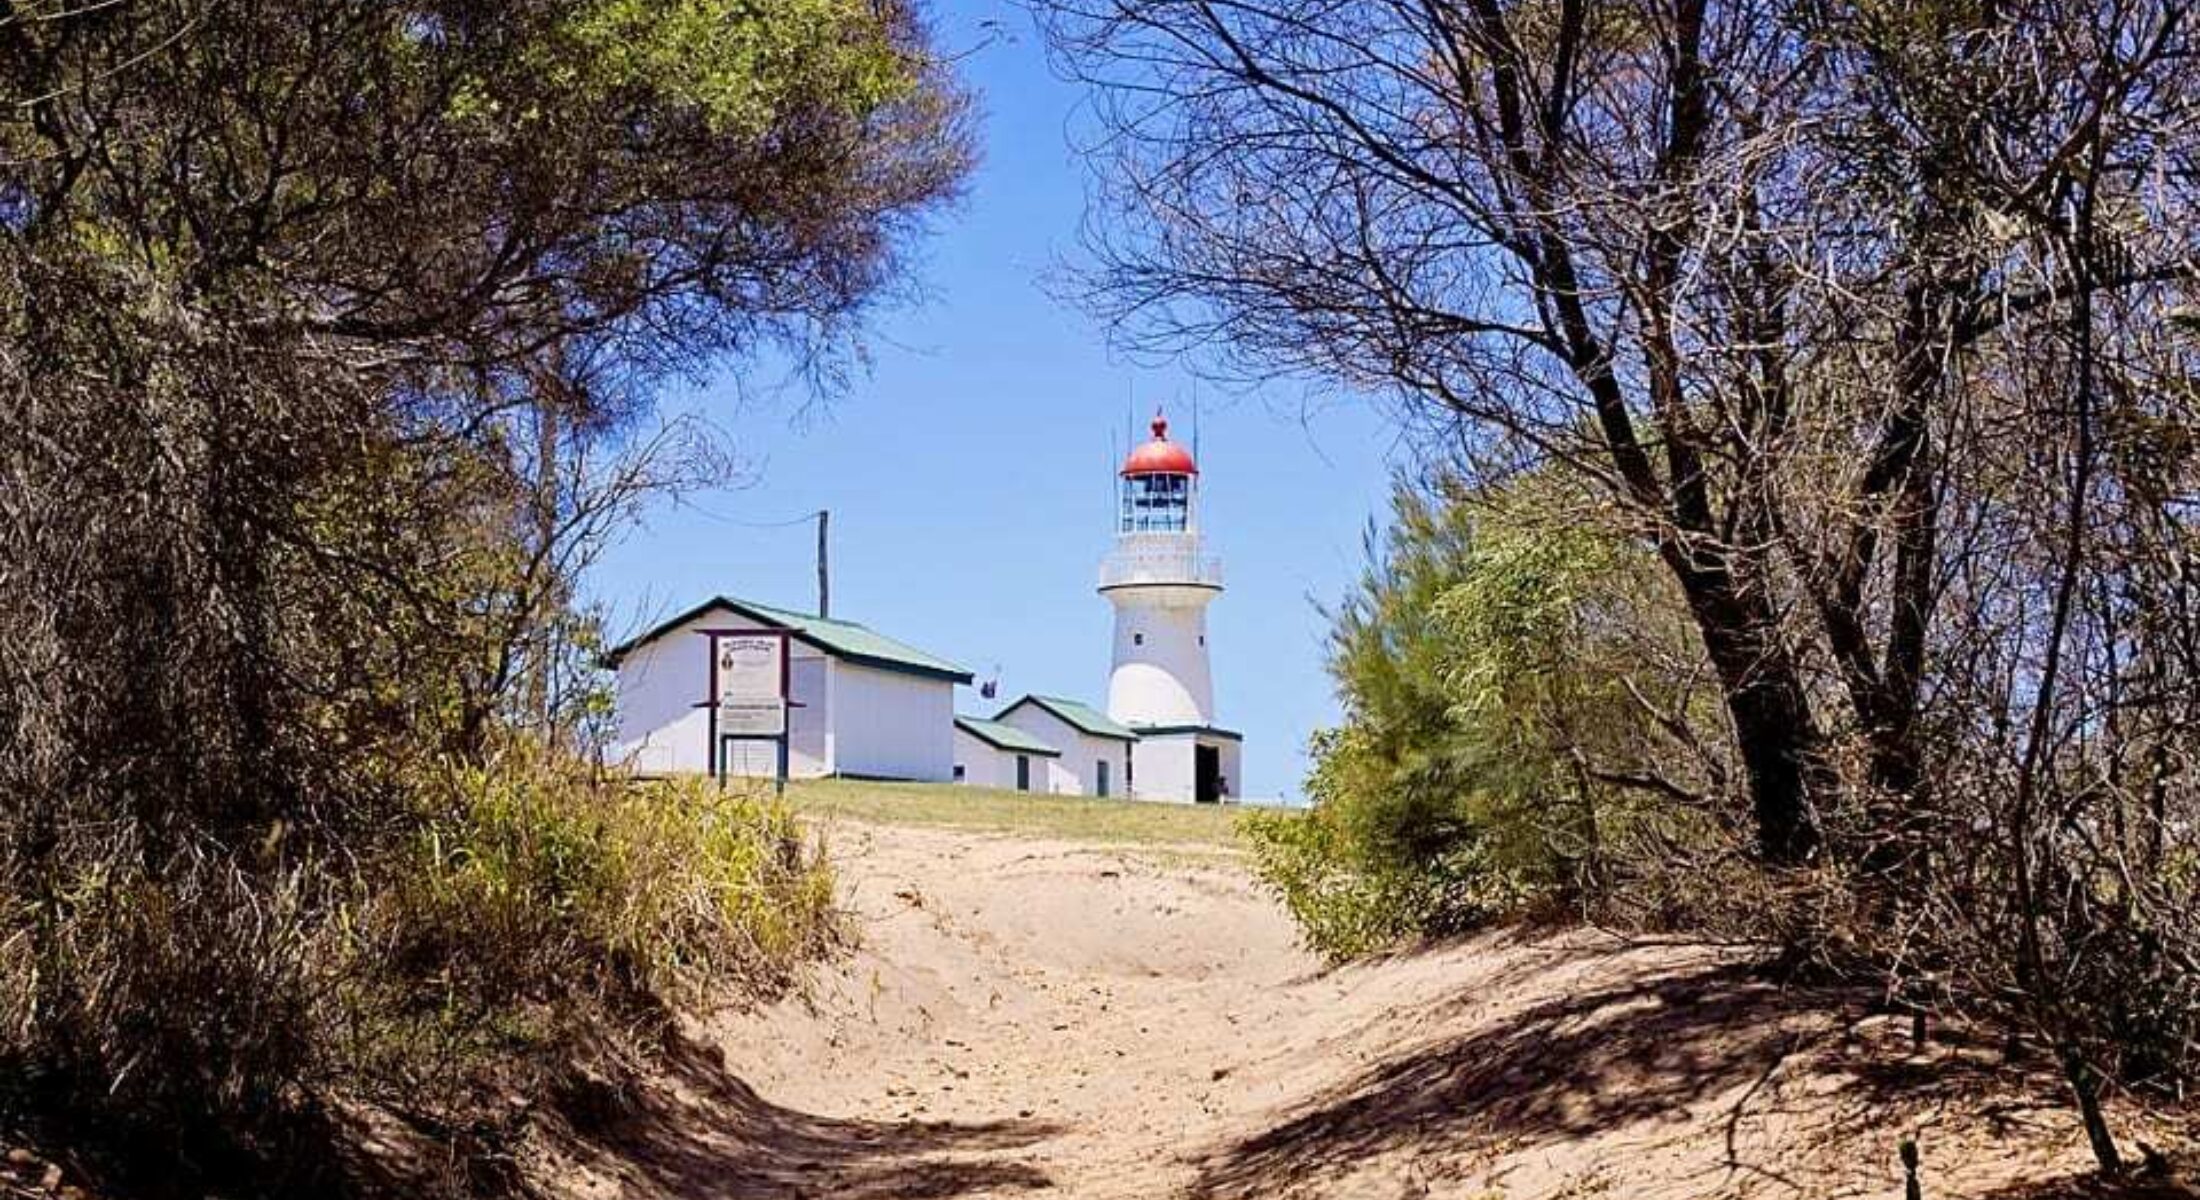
(1781, 750)
(1894, 863)
(2085, 1087)
(1774, 730)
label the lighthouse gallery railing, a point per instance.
(1159, 559)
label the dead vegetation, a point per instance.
(1868, 329)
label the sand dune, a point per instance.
(1031, 1017)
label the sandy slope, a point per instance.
(1033, 1017)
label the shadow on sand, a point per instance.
(2089, 1187)
(711, 1137)
(1565, 1069)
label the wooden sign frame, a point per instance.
(713, 702)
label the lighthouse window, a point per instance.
(1138, 639)
(1156, 503)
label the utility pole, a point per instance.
(824, 577)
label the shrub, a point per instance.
(163, 1005)
(537, 923)
(1496, 666)
(546, 919)
(1371, 866)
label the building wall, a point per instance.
(1166, 767)
(810, 727)
(1161, 674)
(1233, 776)
(1074, 773)
(1120, 770)
(987, 765)
(1058, 781)
(890, 724)
(662, 729)
(809, 724)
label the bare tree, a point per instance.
(1866, 316)
(1722, 259)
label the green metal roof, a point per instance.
(842, 639)
(1084, 717)
(1230, 735)
(1005, 737)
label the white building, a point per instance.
(864, 705)
(995, 755)
(1096, 758)
(1160, 579)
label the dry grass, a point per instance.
(1204, 828)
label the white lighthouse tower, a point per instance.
(1161, 579)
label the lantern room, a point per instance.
(1159, 484)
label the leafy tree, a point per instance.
(328, 332)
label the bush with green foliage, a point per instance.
(1494, 664)
(1380, 858)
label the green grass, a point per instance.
(1077, 818)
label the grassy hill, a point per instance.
(1079, 818)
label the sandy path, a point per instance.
(1029, 1017)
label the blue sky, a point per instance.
(968, 467)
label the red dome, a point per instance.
(1160, 456)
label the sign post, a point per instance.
(748, 694)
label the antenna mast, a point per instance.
(824, 575)
(1195, 416)
(1115, 482)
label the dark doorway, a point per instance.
(1206, 774)
(1023, 773)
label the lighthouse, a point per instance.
(1160, 579)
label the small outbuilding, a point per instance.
(1095, 751)
(998, 755)
(1187, 764)
(863, 705)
